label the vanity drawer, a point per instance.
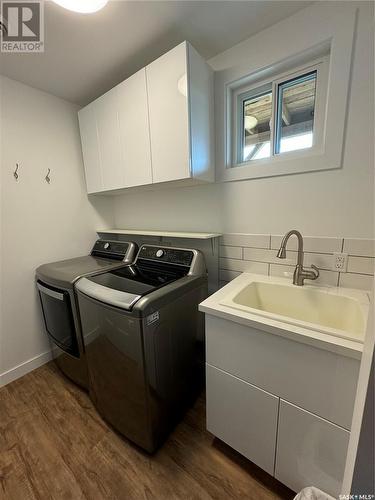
(318, 380)
(242, 416)
(310, 451)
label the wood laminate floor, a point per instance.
(53, 445)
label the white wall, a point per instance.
(359, 469)
(328, 203)
(39, 222)
(195, 208)
(42, 223)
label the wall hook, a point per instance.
(47, 177)
(15, 173)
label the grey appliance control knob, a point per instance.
(106, 246)
(160, 253)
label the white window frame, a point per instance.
(279, 48)
(280, 163)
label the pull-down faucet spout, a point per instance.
(300, 274)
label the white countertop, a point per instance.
(214, 306)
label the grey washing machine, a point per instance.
(55, 284)
(142, 333)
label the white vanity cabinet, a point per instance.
(243, 416)
(284, 404)
(310, 450)
(155, 127)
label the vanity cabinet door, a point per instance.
(318, 380)
(169, 115)
(310, 450)
(242, 416)
(134, 130)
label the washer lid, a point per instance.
(139, 279)
(105, 255)
(107, 295)
(66, 272)
(127, 285)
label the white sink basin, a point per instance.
(328, 310)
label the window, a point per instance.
(279, 118)
(262, 73)
(295, 114)
(256, 119)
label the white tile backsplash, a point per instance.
(263, 255)
(246, 240)
(321, 260)
(361, 247)
(325, 277)
(256, 253)
(361, 281)
(362, 265)
(230, 252)
(243, 266)
(310, 244)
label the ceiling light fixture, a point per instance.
(82, 6)
(250, 122)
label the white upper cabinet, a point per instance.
(115, 137)
(106, 115)
(181, 115)
(90, 149)
(134, 130)
(156, 126)
(169, 115)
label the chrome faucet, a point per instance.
(300, 274)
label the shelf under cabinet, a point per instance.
(170, 234)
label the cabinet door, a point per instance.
(168, 109)
(201, 100)
(310, 450)
(107, 124)
(243, 416)
(284, 367)
(90, 148)
(134, 130)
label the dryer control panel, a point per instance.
(116, 250)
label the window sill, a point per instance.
(278, 166)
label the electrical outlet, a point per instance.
(340, 262)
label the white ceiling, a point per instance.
(85, 55)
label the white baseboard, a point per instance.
(24, 368)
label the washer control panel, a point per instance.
(178, 256)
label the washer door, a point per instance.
(115, 359)
(58, 317)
